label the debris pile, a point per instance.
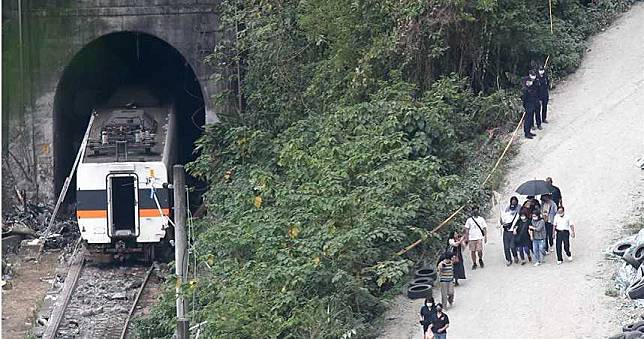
(29, 221)
(629, 279)
(24, 232)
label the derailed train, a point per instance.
(123, 203)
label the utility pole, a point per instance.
(180, 247)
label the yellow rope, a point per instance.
(496, 165)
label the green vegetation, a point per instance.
(357, 126)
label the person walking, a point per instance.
(427, 316)
(544, 93)
(564, 229)
(548, 212)
(530, 100)
(522, 238)
(538, 228)
(445, 271)
(508, 221)
(455, 246)
(475, 236)
(556, 193)
(440, 323)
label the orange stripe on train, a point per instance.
(86, 214)
(152, 212)
(143, 213)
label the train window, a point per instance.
(123, 216)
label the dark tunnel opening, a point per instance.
(111, 63)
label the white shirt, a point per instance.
(562, 223)
(474, 233)
(508, 216)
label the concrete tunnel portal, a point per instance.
(118, 62)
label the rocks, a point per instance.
(91, 312)
(117, 296)
(31, 248)
(134, 284)
(39, 331)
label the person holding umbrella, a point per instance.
(555, 191)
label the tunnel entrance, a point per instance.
(106, 66)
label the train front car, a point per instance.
(123, 203)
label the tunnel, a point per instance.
(113, 62)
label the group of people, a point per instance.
(529, 231)
(536, 93)
(534, 227)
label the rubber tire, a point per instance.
(633, 335)
(634, 327)
(419, 291)
(635, 255)
(427, 272)
(617, 336)
(621, 247)
(422, 281)
(636, 290)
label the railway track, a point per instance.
(97, 301)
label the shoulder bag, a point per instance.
(479, 226)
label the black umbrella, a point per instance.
(534, 187)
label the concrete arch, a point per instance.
(53, 33)
(110, 63)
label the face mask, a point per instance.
(533, 77)
(524, 218)
(561, 213)
(535, 218)
(512, 206)
(541, 72)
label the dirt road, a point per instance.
(596, 132)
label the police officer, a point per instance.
(537, 110)
(530, 99)
(544, 95)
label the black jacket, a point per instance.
(544, 87)
(530, 95)
(523, 236)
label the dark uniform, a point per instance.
(530, 99)
(544, 95)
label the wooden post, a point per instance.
(180, 247)
(552, 29)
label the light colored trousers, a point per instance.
(447, 293)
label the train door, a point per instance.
(123, 205)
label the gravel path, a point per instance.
(596, 133)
